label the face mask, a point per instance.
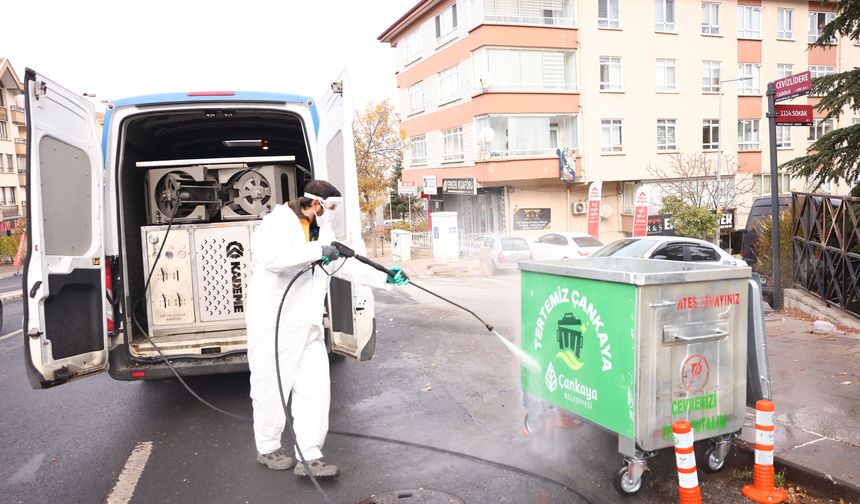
(327, 218)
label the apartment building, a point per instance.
(492, 90)
(13, 147)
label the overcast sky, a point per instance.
(121, 48)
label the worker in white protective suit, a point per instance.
(287, 239)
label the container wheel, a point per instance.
(712, 463)
(623, 484)
(534, 423)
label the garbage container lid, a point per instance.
(636, 271)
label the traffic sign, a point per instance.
(794, 115)
(793, 85)
(407, 188)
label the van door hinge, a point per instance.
(41, 89)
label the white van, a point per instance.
(209, 165)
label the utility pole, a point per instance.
(774, 197)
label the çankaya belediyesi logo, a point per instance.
(576, 331)
(550, 378)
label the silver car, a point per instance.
(668, 248)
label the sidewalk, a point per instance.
(816, 389)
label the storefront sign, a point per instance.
(660, 225)
(594, 209)
(566, 164)
(793, 85)
(406, 188)
(532, 219)
(459, 186)
(640, 212)
(430, 185)
(581, 333)
(794, 115)
(727, 219)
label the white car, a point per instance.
(567, 245)
(668, 248)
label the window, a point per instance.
(855, 121)
(710, 134)
(785, 23)
(524, 69)
(817, 22)
(9, 166)
(669, 252)
(666, 135)
(449, 84)
(608, 14)
(748, 138)
(22, 164)
(610, 73)
(784, 70)
(762, 184)
(549, 12)
(702, 253)
(11, 199)
(666, 75)
(525, 136)
(664, 15)
(749, 22)
(710, 76)
(3, 134)
(710, 18)
(783, 137)
(817, 71)
(418, 150)
(610, 135)
(446, 24)
(411, 46)
(416, 97)
(751, 84)
(452, 144)
(819, 128)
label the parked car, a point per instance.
(472, 248)
(507, 251)
(759, 211)
(668, 248)
(564, 245)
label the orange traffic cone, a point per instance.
(685, 458)
(762, 490)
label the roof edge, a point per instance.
(420, 8)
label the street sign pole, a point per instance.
(774, 197)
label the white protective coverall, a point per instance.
(279, 250)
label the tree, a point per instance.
(836, 155)
(689, 191)
(764, 251)
(378, 150)
(691, 220)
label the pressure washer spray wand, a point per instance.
(527, 360)
(348, 252)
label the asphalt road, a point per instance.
(438, 407)
(10, 284)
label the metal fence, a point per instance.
(826, 248)
(421, 240)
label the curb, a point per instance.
(810, 479)
(11, 296)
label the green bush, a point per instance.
(8, 247)
(764, 250)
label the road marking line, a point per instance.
(7, 336)
(123, 490)
(27, 472)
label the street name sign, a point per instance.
(793, 85)
(794, 115)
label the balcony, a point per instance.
(22, 178)
(4, 114)
(17, 114)
(523, 137)
(21, 146)
(558, 13)
(8, 211)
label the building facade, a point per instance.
(490, 91)
(13, 147)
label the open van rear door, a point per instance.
(64, 315)
(351, 306)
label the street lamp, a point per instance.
(720, 150)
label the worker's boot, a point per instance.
(277, 460)
(318, 468)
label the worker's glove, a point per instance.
(329, 254)
(399, 278)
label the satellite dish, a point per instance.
(484, 81)
(487, 134)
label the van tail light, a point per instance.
(109, 292)
(138, 374)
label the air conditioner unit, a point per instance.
(579, 208)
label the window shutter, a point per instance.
(438, 28)
(454, 16)
(553, 70)
(602, 9)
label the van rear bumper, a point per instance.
(121, 368)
